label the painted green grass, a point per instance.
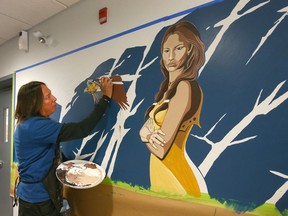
(264, 210)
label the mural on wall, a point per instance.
(176, 109)
(238, 155)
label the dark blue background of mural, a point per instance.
(240, 176)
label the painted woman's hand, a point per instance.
(156, 139)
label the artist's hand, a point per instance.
(106, 86)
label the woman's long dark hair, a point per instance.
(29, 101)
(195, 60)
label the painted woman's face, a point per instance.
(174, 53)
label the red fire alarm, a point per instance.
(103, 15)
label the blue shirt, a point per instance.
(35, 145)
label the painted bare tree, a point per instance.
(281, 191)
(119, 130)
(230, 139)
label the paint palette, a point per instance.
(80, 174)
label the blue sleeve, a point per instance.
(81, 129)
(45, 130)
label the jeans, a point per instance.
(46, 208)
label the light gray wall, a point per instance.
(78, 26)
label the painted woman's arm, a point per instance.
(179, 105)
(146, 133)
(146, 130)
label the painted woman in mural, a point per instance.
(176, 109)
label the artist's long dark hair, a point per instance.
(29, 101)
(194, 61)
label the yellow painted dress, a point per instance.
(173, 174)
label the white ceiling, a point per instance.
(18, 15)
